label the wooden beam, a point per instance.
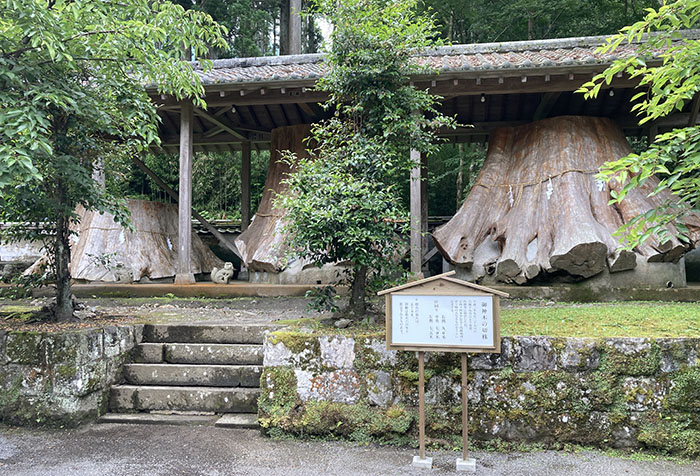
(222, 240)
(184, 273)
(217, 122)
(416, 212)
(546, 104)
(245, 185)
(271, 97)
(200, 141)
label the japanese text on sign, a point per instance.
(442, 320)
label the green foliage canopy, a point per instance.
(667, 66)
(72, 96)
(343, 205)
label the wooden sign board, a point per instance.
(443, 314)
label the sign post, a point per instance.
(443, 314)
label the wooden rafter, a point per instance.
(546, 105)
(217, 122)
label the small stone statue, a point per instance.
(222, 276)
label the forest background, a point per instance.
(256, 28)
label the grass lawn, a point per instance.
(628, 319)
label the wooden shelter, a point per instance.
(250, 101)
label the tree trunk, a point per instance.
(536, 206)
(358, 304)
(64, 301)
(262, 244)
(284, 27)
(460, 175)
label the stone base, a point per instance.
(298, 273)
(468, 465)
(184, 278)
(426, 463)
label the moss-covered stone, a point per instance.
(684, 394)
(632, 357)
(672, 434)
(549, 392)
(24, 348)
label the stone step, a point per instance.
(219, 354)
(148, 353)
(238, 420)
(222, 354)
(206, 333)
(159, 419)
(125, 398)
(193, 375)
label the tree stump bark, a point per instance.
(106, 251)
(537, 209)
(262, 245)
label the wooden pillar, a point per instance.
(421, 405)
(417, 220)
(465, 410)
(424, 205)
(294, 27)
(245, 185)
(184, 270)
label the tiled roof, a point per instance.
(481, 57)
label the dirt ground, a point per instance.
(128, 450)
(98, 311)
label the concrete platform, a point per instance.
(238, 420)
(157, 419)
(193, 375)
(248, 354)
(129, 398)
(209, 290)
(556, 292)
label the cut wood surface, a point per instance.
(149, 251)
(536, 207)
(263, 244)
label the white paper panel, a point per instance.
(442, 320)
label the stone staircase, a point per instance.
(192, 374)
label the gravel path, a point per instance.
(112, 449)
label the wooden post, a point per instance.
(423, 207)
(210, 228)
(421, 404)
(245, 185)
(294, 27)
(184, 271)
(416, 215)
(465, 412)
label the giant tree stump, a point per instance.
(106, 251)
(536, 207)
(263, 244)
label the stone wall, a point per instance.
(620, 392)
(61, 378)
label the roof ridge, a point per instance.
(451, 50)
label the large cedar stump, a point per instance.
(537, 210)
(147, 251)
(263, 244)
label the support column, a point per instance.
(416, 214)
(245, 185)
(294, 27)
(424, 206)
(184, 270)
